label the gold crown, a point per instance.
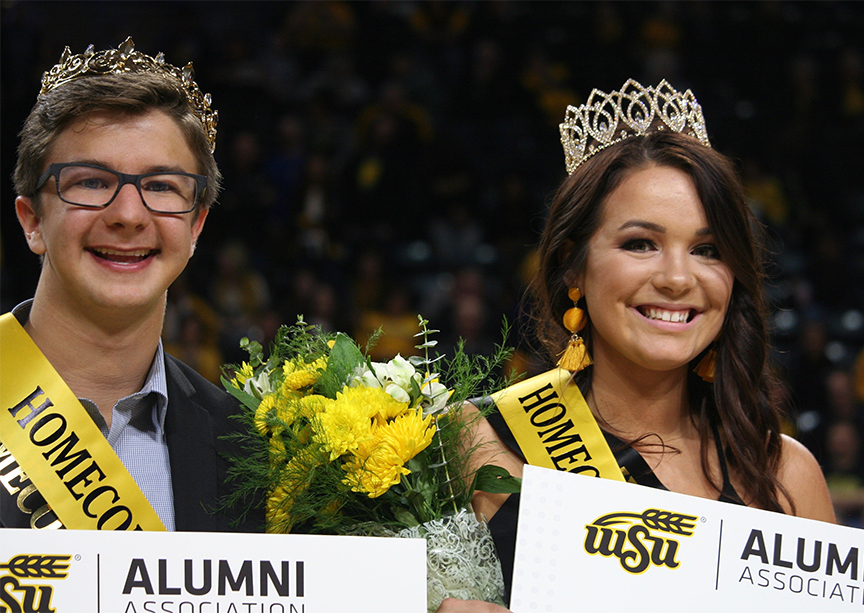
(607, 119)
(126, 59)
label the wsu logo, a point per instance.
(629, 537)
(16, 597)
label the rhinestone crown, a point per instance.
(607, 119)
(126, 59)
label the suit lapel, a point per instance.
(192, 450)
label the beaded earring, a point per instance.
(575, 356)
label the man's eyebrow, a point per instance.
(165, 168)
(148, 170)
(89, 161)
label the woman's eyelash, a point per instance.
(708, 250)
(637, 244)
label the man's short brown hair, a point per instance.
(133, 93)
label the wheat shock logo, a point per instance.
(31, 595)
(639, 540)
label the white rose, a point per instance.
(258, 386)
(381, 372)
(397, 393)
(438, 396)
(401, 371)
(363, 377)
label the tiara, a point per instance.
(125, 59)
(607, 119)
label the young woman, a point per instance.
(653, 229)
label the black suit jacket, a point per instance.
(198, 417)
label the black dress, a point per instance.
(503, 523)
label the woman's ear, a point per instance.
(565, 253)
(31, 224)
(565, 250)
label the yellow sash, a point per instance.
(554, 426)
(58, 445)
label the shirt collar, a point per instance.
(156, 380)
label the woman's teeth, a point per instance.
(661, 314)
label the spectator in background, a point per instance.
(241, 296)
(397, 318)
(844, 472)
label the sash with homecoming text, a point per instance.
(554, 427)
(59, 447)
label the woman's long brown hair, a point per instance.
(742, 402)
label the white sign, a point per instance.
(587, 544)
(70, 571)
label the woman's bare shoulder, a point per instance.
(801, 476)
(489, 449)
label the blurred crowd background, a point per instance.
(384, 159)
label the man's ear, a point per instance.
(197, 226)
(31, 224)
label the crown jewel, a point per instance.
(607, 119)
(126, 59)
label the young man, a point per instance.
(115, 177)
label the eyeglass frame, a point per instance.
(54, 170)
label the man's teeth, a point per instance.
(140, 253)
(673, 316)
(123, 256)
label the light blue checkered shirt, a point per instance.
(137, 433)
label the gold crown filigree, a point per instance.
(125, 59)
(607, 119)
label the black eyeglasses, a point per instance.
(96, 187)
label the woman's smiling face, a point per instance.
(655, 285)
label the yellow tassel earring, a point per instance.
(705, 367)
(576, 356)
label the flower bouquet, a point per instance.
(344, 445)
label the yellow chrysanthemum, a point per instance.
(379, 463)
(341, 428)
(347, 420)
(284, 407)
(268, 403)
(277, 448)
(294, 480)
(299, 375)
(309, 406)
(242, 375)
(381, 471)
(409, 434)
(389, 411)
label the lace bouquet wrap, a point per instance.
(461, 559)
(343, 445)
